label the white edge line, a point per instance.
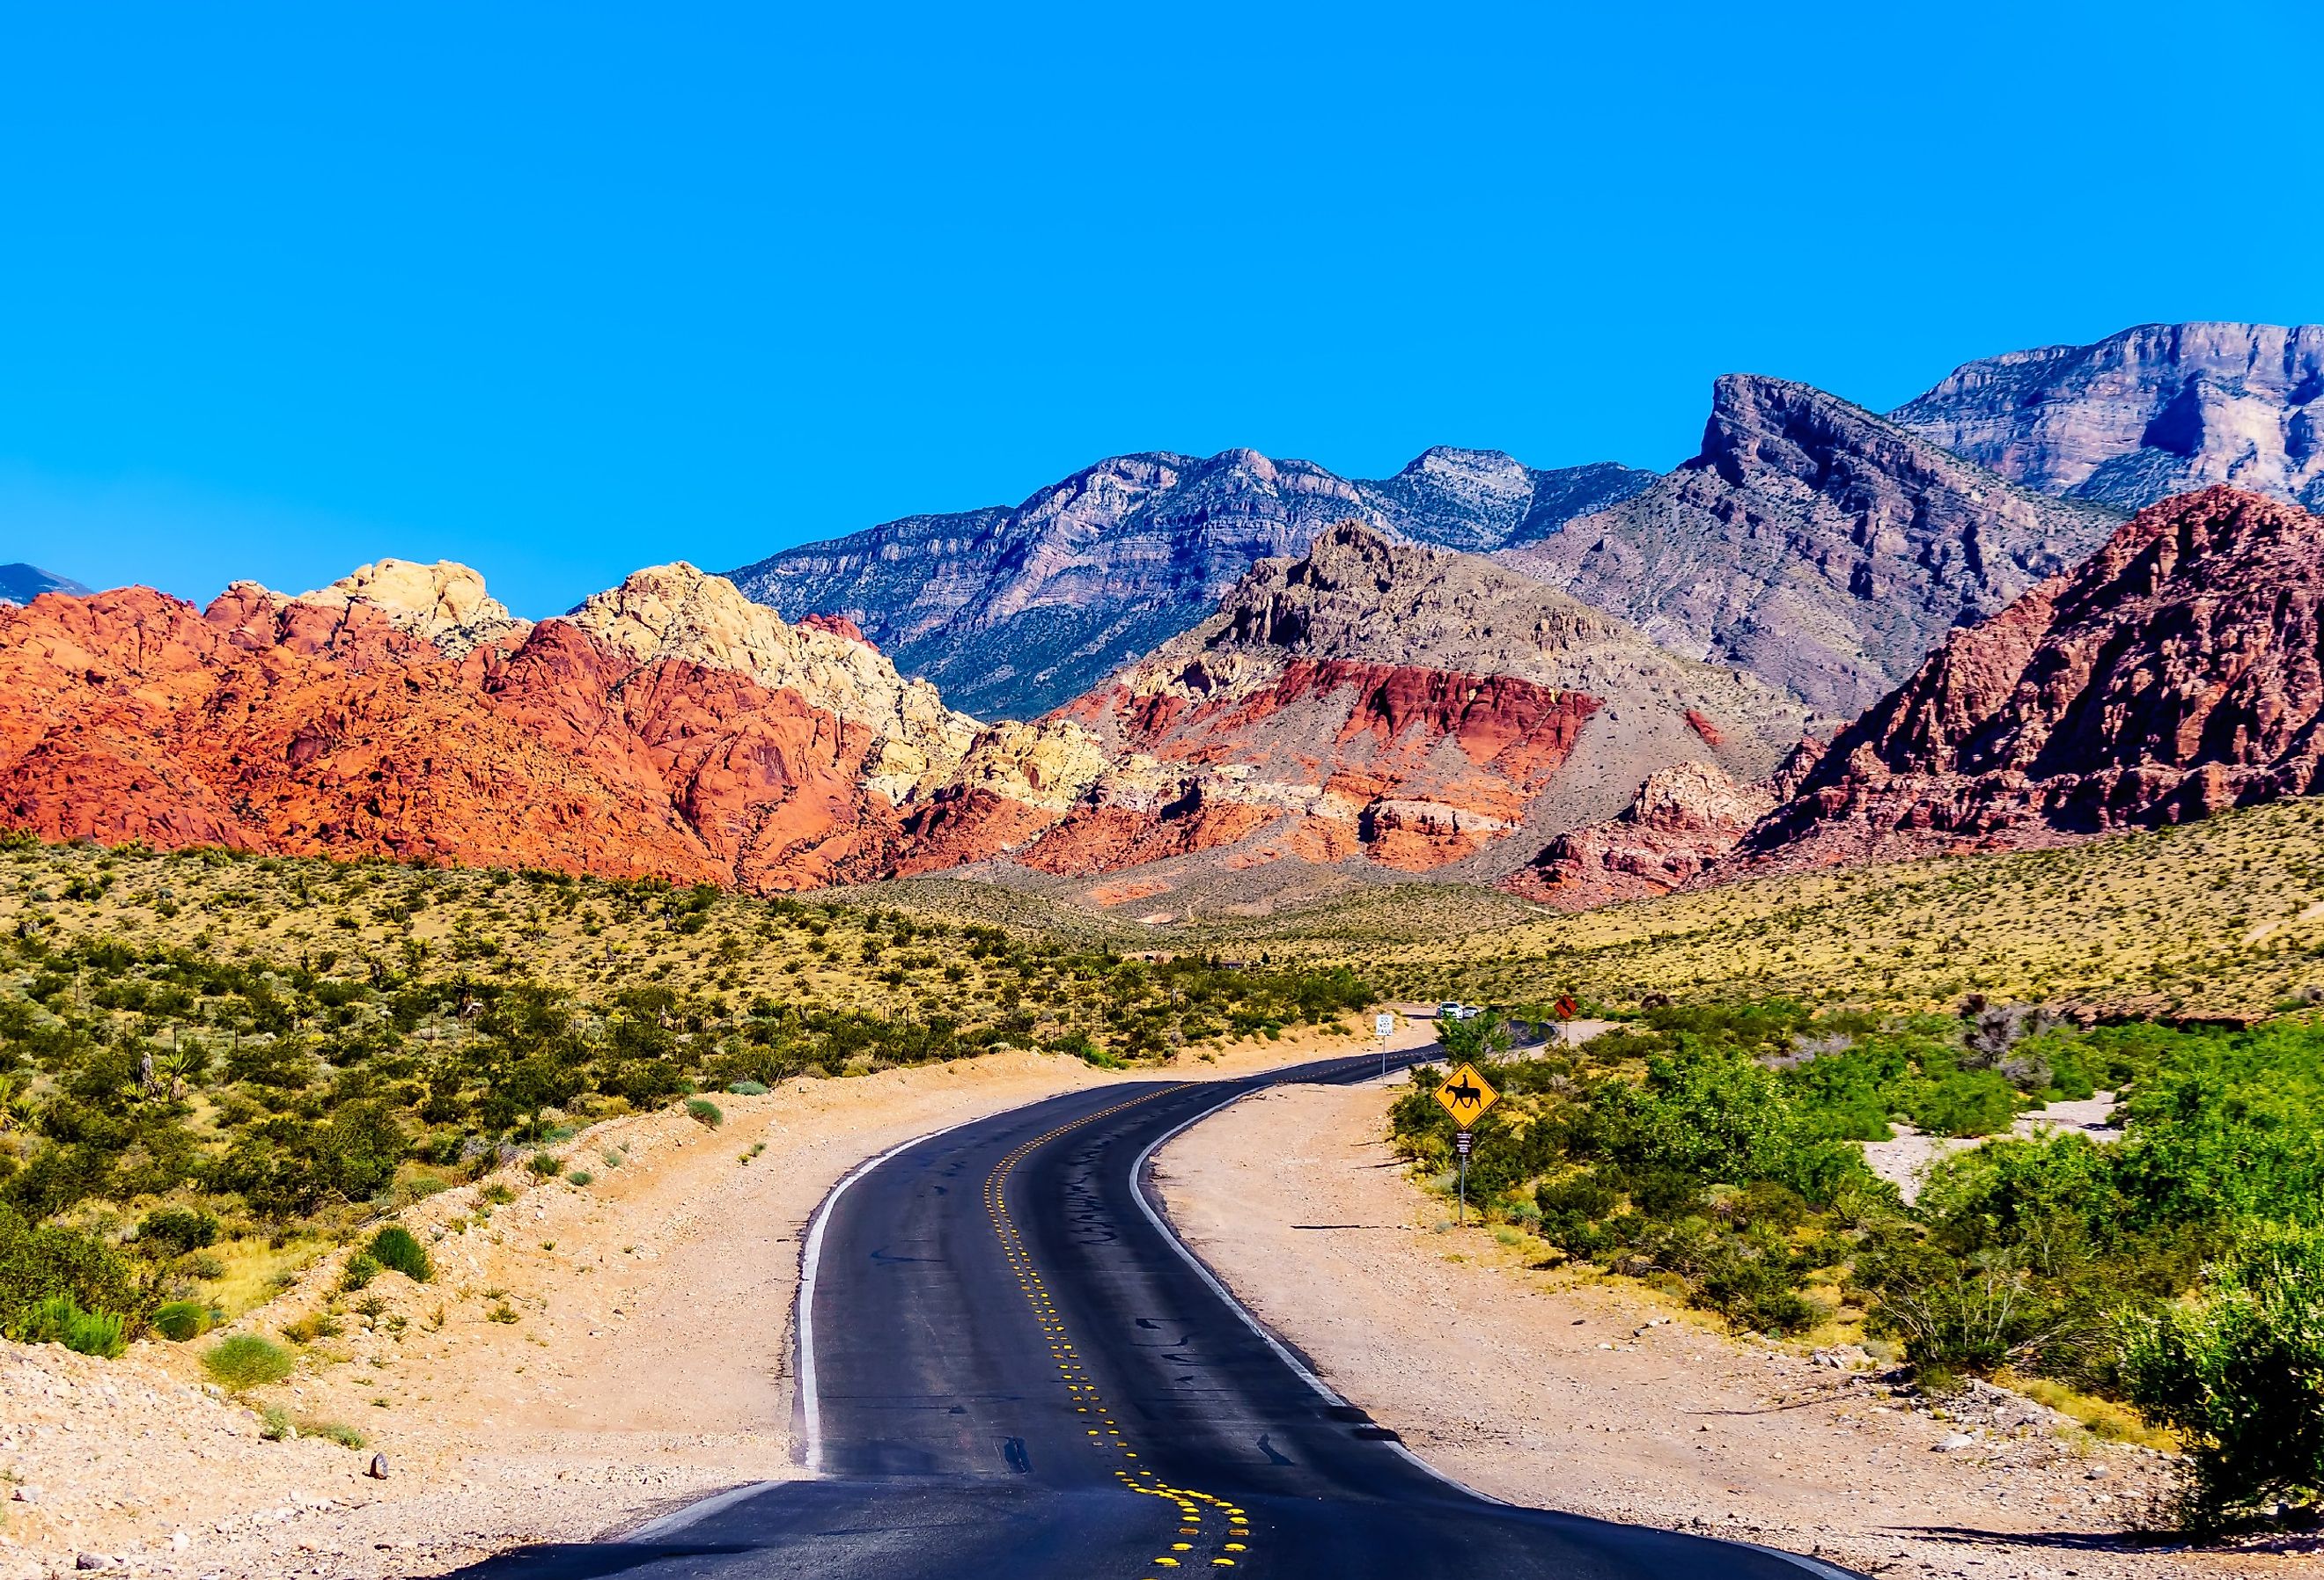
(811, 1261)
(810, 1401)
(1285, 1354)
(678, 1520)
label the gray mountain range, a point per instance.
(2158, 410)
(1011, 612)
(1821, 546)
(21, 584)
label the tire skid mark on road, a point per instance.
(1106, 1437)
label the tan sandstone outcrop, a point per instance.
(678, 612)
(444, 603)
(1684, 817)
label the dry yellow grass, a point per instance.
(2223, 918)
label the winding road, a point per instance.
(1010, 1366)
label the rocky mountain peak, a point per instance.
(1018, 610)
(1490, 482)
(2153, 410)
(678, 612)
(21, 584)
(1816, 544)
(2172, 674)
(444, 603)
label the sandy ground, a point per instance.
(1597, 1398)
(583, 1359)
(1905, 1160)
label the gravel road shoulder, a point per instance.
(584, 1358)
(1597, 1397)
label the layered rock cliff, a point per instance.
(1812, 543)
(2178, 672)
(677, 611)
(2157, 410)
(1383, 700)
(1013, 612)
(1682, 821)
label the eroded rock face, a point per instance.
(443, 603)
(677, 611)
(1014, 612)
(2173, 674)
(688, 734)
(1684, 818)
(1814, 544)
(1384, 700)
(2156, 411)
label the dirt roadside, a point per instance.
(1601, 1399)
(584, 1357)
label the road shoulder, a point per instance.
(1600, 1398)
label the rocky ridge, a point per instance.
(1682, 821)
(1015, 611)
(2173, 674)
(21, 583)
(668, 728)
(1812, 543)
(1381, 701)
(2154, 410)
(677, 611)
(443, 603)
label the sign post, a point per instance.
(1465, 1095)
(1383, 1026)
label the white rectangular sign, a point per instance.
(1383, 1024)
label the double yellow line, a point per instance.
(1231, 1536)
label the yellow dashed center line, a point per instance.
(1084, 1393)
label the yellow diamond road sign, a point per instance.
(1466, 1095)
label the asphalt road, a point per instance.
(1008, 1367)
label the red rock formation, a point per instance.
(837, 625)
(957, 826)
(1391, 702)
(1106, 838)
(2174, 673)
(1425, 765)
(127, 716)
(1682, 820)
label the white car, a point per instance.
(1469, 1012)
(1450, 1010)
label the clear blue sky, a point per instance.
(563, 290)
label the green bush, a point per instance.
(544, 1165)
(748, 1088)
(2237, 1373)
(580, 1177)
(38, 1263)
(175, 1231)
(244, 1360)
(1953, 1314)
(59, 1320)
(360, 1268)
(704, 1111)
(1967, 1102)
(181, 1320)
(395, 1246)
